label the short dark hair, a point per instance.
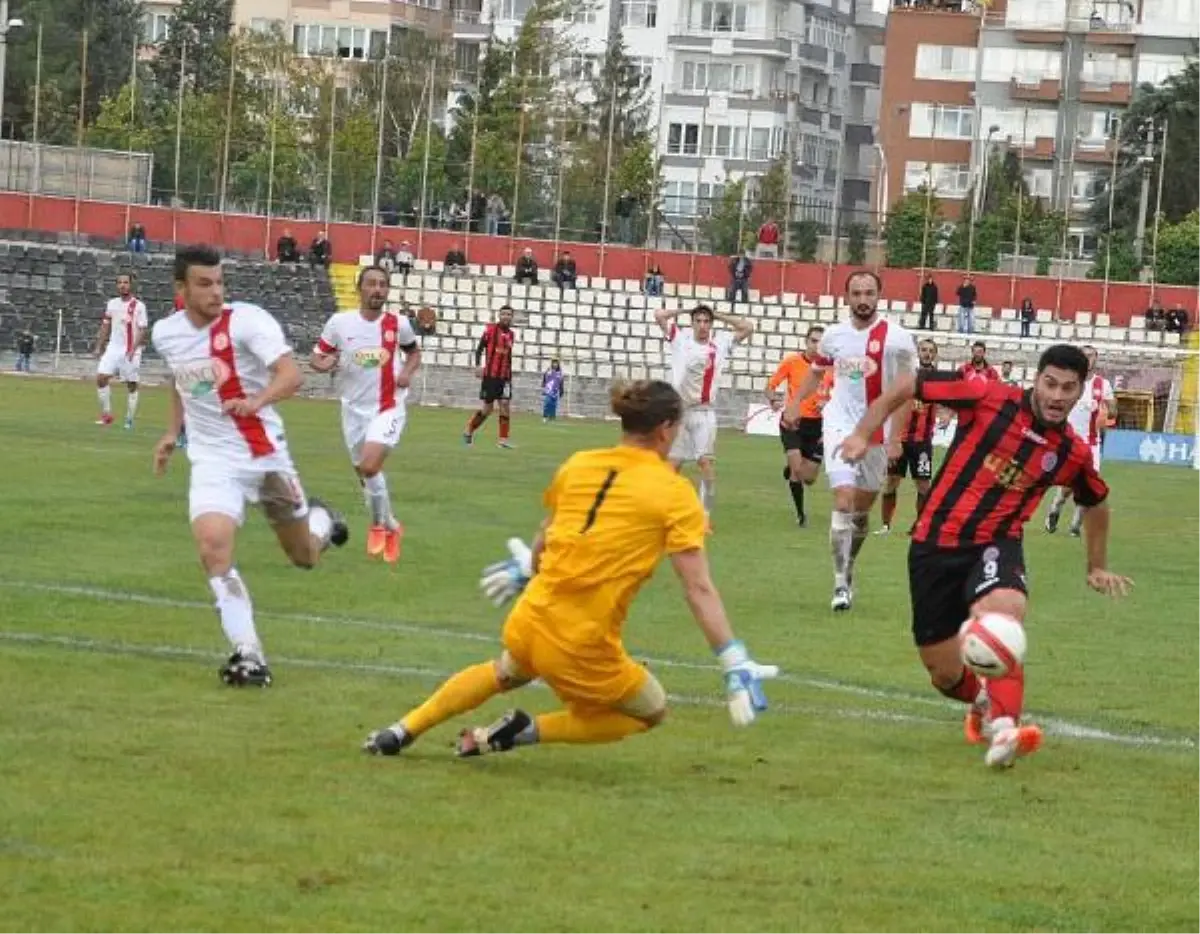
(503, 308)
(371, 267)
(1064, 357)
(863, 272)
(127, 275)
(703, 310)
(196, 255)
(979, 344)
(645, 404)
(1007, 363)
(814, 329)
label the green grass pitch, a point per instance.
(137, 793)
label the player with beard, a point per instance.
(867, 354)
(916, 448)
(493, 361)
(376, 355)
(966, 557)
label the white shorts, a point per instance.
(697, 436)
(384, 428)
(225, 488)
(115, 363)
(868, 474)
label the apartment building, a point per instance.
(1047, 79)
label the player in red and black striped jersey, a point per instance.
(1011, 446)
(493, 362)
(916, 447)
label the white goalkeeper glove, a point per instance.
(743, 682)
(502, 581)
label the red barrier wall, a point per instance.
(252, 232)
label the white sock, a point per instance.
(237, 613)
(105, 395)
(1077, 518)
(708, 495)
(320, 523)
(379, 503)
(841, 542)
(131, 408)
(1060, 498)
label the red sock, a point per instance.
(889, 508)
(503, 427)
(1007, 695)
(966, 688)
(475, 421)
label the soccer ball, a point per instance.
(992, 644)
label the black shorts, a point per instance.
(915, 460)
(805, 438)
(945, 582)
(493, 389)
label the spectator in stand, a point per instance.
(137, 238)
(1006, 376)
(768, 239)
(477, 210)
(740, 269)
(527, 268)
(966, 305)
(623, 210)
(494, 214)
(564, 271)
(552, 390)
(320, 252)
(929, 300)
(1156, 317)
(455, 263)
(286, 248)
(25, 343)
(404, 259)
(1028, 316)
(385, 258)
(977, 367)
(655, 282)
(1177, 320)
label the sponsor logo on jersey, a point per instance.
(856, 368)
(370, 358)
(198, 378)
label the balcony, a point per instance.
(776, 43)
(860, 134)
(865, 75)
(468, 24)
(1041, 148)
(1095, 151)
(1092, 91)
(815, 58)
(867, 17)
(1025, 89)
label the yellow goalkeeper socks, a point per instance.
(564, 726)
(462, 692)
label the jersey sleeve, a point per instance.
(261, 334)
(684, 519)
(329, 341)
(950, 389)
(1106, 392)
(780, 374)
(905, 354)
(142, 319)
(1088, 487)
(824, 358)
(406, 337)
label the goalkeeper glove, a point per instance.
(743, 682)
(502, 581)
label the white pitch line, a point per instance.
(1053, 725)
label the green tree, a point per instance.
(721, 227)
(856, 243)
(1115, 259)
(806, 240)
(205, 28)
(910, 232)
(405, 176)
(125, 121)
(769, 197)
(1179, 252)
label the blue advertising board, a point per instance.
(1144, 447)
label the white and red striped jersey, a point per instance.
(1085, 415)
(127, 319)
(696, 366)
(369, 358)
(229, 358)
(864, 361)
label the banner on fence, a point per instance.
(1143, 447)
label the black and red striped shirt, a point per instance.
(920, 425)
(1000, 464)
(494, 352)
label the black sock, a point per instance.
(797, 497)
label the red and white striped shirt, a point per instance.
(1085, 416)
(696, 367)
(127, 320)
(228, 358)
(370, 354)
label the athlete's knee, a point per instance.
(305, 555)
(708, 468)
(214, 546)
(1003, 600)
(101, 380)
(371, 463)
(132, 387)
(943, 663)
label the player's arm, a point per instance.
(324, 357)
(947, 389)
(412, 356)
(742, 327)
(665, 319)
(102, 335)
(481, 347)
(141, 329)
(776, 380)
(1091, 493)
(166, 444)
(264, 339)
(810, 384)
(906, 363)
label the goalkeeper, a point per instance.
(613, 514)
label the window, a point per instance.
(720, 16)
(514, 10)
(715, 76)
(949, 179)
(643, 67)
(1039, 182)
(264, 26)
(338, 41)
(640, 14)
(1106, 69)
(1020, 125)
(1096, 127)
(945, 63)
(937, 121)
(817, 151)
(760, 144)
(710, 197)
(679, 199)
(824, 32)
(683, 139)
(1170, 17)
(1036, 13)
(584, 16)
(1087, 185)
(1026, 66)
(1155, 69)
(466, 60)
(155, 27)
(725, 142)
